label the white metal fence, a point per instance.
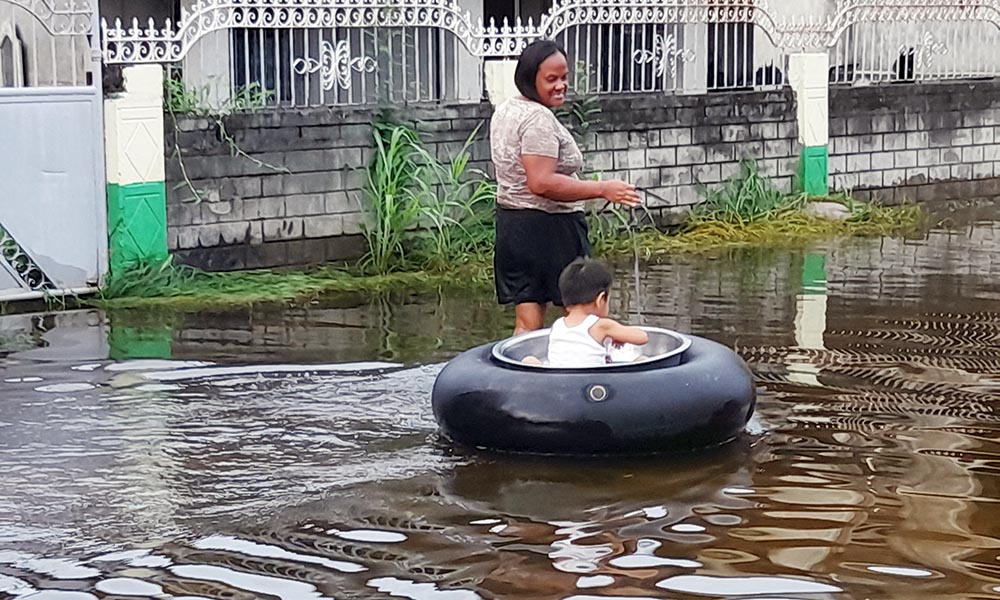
(334, 52)
(45, 44)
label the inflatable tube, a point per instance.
(695, 395)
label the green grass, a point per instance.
(183, 288)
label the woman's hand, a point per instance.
(620, 192)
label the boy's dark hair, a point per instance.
(527, 66)
(583, 280)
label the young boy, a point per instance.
(579, 339)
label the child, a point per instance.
(579, 338)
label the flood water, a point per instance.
(292, 453)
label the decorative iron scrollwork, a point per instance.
(172, 42)
(664, 55)
(335, 64)
(62, 17)
(20, 265)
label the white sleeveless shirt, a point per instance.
(574, 346)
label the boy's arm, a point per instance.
(620, 334)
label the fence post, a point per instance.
(808, 74)
(499, 75)
(137, 198)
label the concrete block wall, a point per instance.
(666, 145)
(918, 142)
(284, 188)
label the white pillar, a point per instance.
(808, 74)
(500, 80)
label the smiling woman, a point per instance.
(540, 222)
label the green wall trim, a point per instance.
(814, 171)
(137, 223)
(129, 343)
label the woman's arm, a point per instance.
(544, 181)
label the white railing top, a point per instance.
(172, 41)
(62, 17)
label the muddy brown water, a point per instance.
(292, 453)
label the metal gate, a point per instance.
(53, 224)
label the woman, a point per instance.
(540, 222)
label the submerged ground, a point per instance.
(291, 453)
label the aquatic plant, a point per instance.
(420, 211)
(390, 206)
(456, 210)
(745, 198)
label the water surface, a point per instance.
(293, 454)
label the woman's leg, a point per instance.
(528, 316)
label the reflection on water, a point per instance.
(292, 454)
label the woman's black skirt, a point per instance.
(532, 249)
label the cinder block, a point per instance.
(883, 124)
(763, 131)
(629, 159)
(972, 154)
(870, 143)
(341, 202)
(638, 139)
(777, 149)
(644, 178)
(690, 155)
(323, 226)
(688, 195)
(736, 133)
(187, 237)
(710, 134)
(858, 163)
(353, 223)
(983, 136)
(991, 152)
(282, 229)
(675, 137)
(962, 137)
(729, 170)
(982, 170)
(950, 156)
(222, 211)
(754, 150)
(929, 158)
(661, 157)
(660, 197)
(894, 141)
(673, 176)
(917, 140)
(256, 233)
(845, 145)
(940, 173)
(788, 130)
(707, 173)
(720, 152)
(883, 160)
(305, 204)
(893, 177)
(906, 158)
(859, 125)
(613, 140)
(961, 172)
